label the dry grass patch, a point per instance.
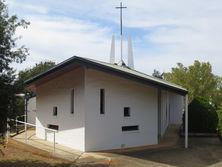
(20, 155)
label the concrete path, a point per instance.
(60, 151)
(202, 152)
(77, 157)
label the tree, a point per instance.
(9, 52)
(199, 80)
(20, 87)
(31, 72)
(202, 116)
(157, 74)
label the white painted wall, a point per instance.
(31, 110)
(57, 92)
(164, 111)
(172, 106)
(176, 108)
(87, 129)
(104, 131)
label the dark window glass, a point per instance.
(55, 111)
(126, 112)
(102, 101)
(55, 127)
(72, 101)
(130, 128)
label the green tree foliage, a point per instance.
(9, 52)
(202, 116)
(31, 72)
(199, 80)
(157, 74)
(220, 122)
(20, 87)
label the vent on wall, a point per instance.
(130, 128)
(55, 127)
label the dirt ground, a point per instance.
(19, 155)
(203, 152)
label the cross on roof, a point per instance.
(121, 18)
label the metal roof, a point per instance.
(115, 69)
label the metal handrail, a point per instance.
(53, 130)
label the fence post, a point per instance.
(7, 131)
(16, 124)
(45, 134)
(25, 132)
(54, 142)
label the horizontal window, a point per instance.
(55, 127)
(130, 128)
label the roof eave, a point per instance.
(108, 69)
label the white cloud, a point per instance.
(21, 6)
(173, 31)
(57, 39)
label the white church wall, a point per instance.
(57, 92)
(164, 111)
(31, 110)
(105, 131)
(176, 108)
(172, 105)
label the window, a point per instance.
(72, 101)
(130, 128)
(55, 127)
(102, 101)
(126, 112)
(55, 111)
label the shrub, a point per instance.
(220, 122)
(202, 116)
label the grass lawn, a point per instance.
(20, 155)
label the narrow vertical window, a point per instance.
(72, 101)
(126, 112)
(55, 111)
(102, 101)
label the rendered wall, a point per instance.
(104, 132)
(165, 111)
(176, 108)
(57, 92)
(31, 110)
(172, 106)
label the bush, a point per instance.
(202, 116)
(220, 122)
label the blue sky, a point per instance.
(163, 32)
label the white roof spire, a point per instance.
(112, 51)
(130, 53)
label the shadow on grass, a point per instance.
(29, 163)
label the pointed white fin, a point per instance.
(112, 51)
(130, 53)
